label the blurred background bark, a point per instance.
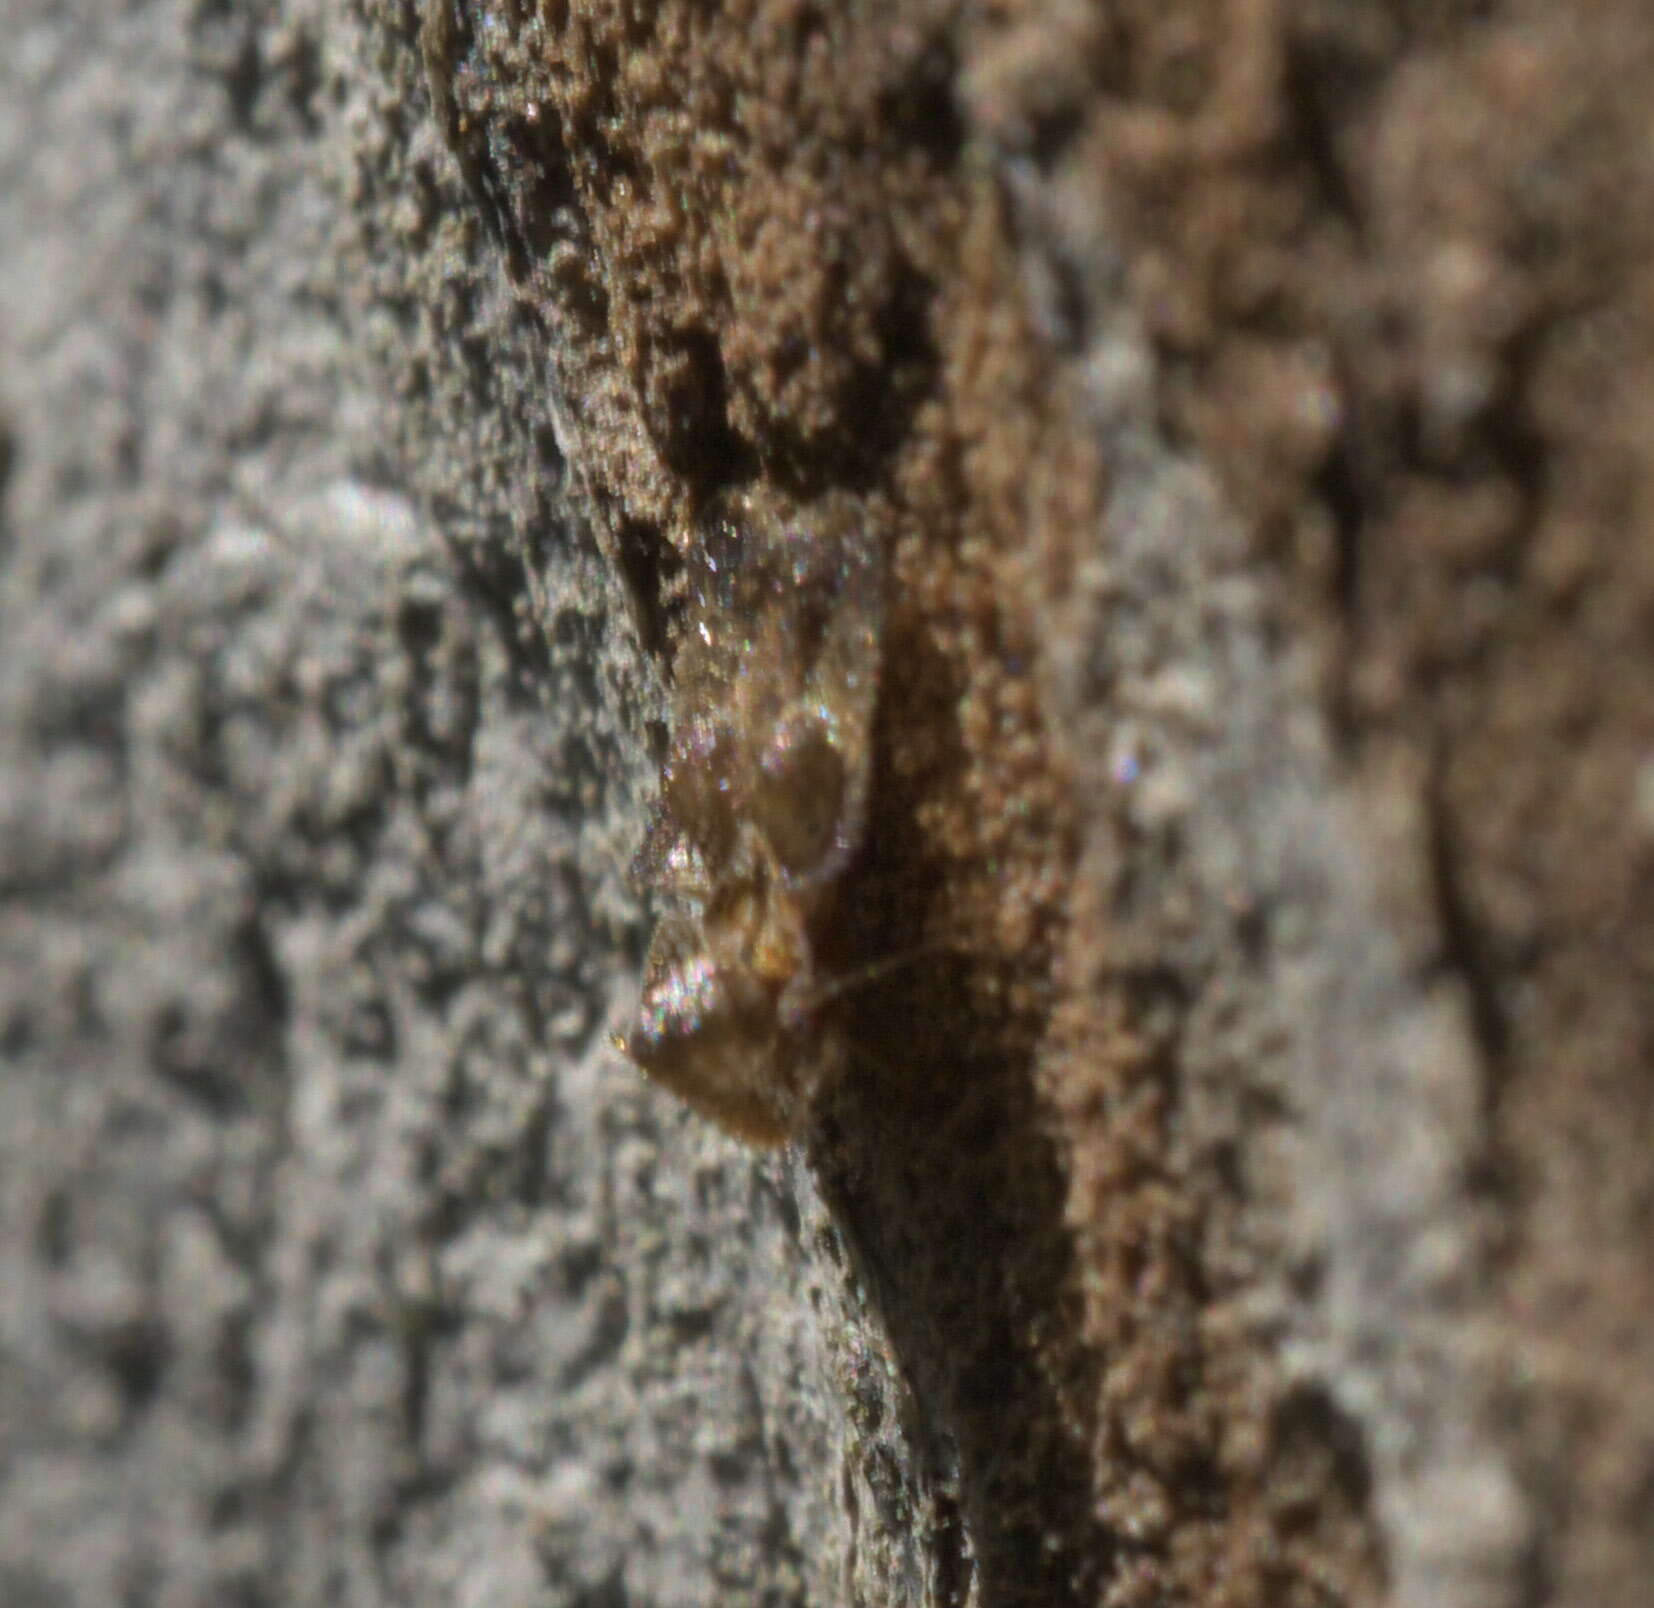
(341, 1258)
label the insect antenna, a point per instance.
(860, 976)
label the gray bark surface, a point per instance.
(342, 1257)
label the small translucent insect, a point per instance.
(763, 801)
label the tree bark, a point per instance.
(1222, 1172)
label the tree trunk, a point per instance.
(1174, 861)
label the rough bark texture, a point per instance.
(1231, 1180)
